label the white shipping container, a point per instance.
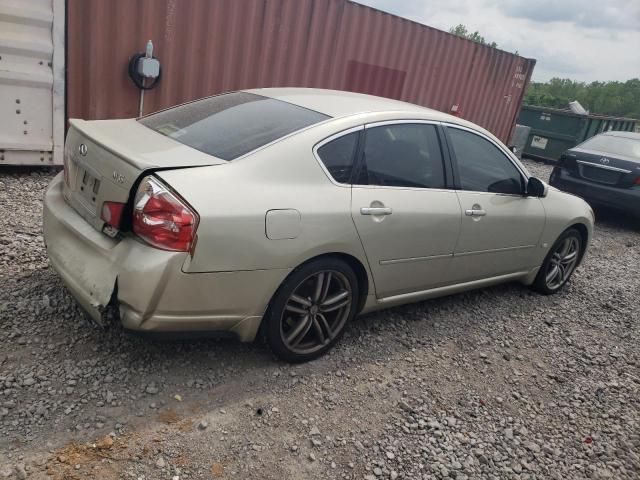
(32, 76)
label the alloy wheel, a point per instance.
(562, 263)
(316, 311)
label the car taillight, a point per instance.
(162, 219)
(636, 182)
(112, 213)
(567, 162)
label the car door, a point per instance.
(407, 217)
(501, 226)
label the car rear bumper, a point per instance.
(148, 285)
(624, 199)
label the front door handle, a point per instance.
(376, 211)
(473, 212)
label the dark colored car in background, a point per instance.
(604, 170)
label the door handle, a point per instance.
(376, 211)
(475, 213)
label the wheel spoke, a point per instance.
(294, 309)
(319, 285)
(563, 272)
(299, 331)
(336, 306)
(552, 274)
(336, 298)
(301, 300)
(303, 334)
(325, 287)
(569, 257)
(318, 329)
(325, 324)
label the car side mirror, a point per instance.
(537, 188)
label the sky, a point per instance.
(584, 40)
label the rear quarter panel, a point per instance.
(233, 199)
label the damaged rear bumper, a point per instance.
(82, 256)
(153, 293)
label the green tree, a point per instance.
(620, 99)
(461, 31)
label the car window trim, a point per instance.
(446, 170)
(335, 136)
(447, 157)
(454, 160)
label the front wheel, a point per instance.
(308, 314)
(560, 263)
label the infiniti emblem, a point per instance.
(82, 149)
(604, 161)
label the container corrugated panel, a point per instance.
(554, 130)
(31, 82)
(206, 47)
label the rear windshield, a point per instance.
(614, 145)
(230, 125)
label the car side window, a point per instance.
(402, 155)
(482, 167)
(337, 156)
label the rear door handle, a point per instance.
(475, 213)
(376, 211)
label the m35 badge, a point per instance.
(118, 177)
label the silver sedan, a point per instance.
(286, 212)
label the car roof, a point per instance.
(337, 103)
(615, 133)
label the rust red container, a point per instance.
(210, 46)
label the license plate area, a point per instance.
(599, 175)
(88, 187)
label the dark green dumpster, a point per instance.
(554, 130)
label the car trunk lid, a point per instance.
(612, 170)
(104, 160)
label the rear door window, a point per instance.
(402, 155)
(231, 125)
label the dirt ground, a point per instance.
(495, 383)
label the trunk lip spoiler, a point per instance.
(137, 160)
(603, 167)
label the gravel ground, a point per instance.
(495, 383)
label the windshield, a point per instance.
(613, 144)
(230, 125)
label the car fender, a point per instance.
(563, 211)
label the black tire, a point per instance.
(281, 323)
(542, 284)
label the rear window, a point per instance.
(614, 145)
(230, 125)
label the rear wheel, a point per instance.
(309, 312)
(560, 263)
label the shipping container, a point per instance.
(206, 47)
(555, 130)
(32, 81)
(211, 46)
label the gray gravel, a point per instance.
(496, 383)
